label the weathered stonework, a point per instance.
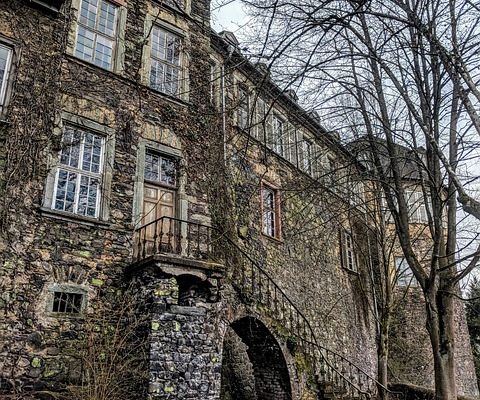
(192, 317)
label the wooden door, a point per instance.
(159, 202)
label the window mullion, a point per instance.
(77, 192)
(79, 173)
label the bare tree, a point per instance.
(401, 75)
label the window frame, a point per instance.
(260, 117)
(118, 49)
(80, 172)
(182, 85)
(243, 109)
(8, 79)
(84, 124)
(417, 208)
(5, 84)
(349, 252)
(276, 211)
(66, 288)
(278, 134)
(307, 159)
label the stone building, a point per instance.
(172, 216)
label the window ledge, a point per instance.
(118, 75)
(351, 271)
(66, 316)
(273, 239)
(70, 217)
(4, 122)
(174, 99)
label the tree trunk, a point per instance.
(440, 325)
(383, 354)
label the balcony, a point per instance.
(179, 243)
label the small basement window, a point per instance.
(67, 303)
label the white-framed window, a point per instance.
(348, 249)
(291, 146)
(330, 171)
(416, 206)
(278, 135)
(260, 122)
(6, 54)
(307, 151)
(404, 273)
(166, 61)
(97, 32)
(79, 175)
(243, 112)
(270, 208)
(357, 193)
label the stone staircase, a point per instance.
(336, 376)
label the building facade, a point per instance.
(171, 216)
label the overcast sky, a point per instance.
(229, 17)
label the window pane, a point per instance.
(269, 217)
(88, 13)
(152, 167)
(87, 199)
(243, 109)
(71, 143)
(92, 150)
(157, 77)
(168, 171)
(85, 43)
(103, 52)
(106, 23)
(65, 190)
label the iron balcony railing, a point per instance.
(194, 240)
(168, 235)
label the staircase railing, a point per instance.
(331, 368)
(190, 239)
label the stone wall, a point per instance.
(39, 247)
(307, 259)
(183, 333)
(184, 342)
(411, 360)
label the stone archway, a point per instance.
(253, 365)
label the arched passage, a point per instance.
(253, 366)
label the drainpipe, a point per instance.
(224, 117)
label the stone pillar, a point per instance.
(183, 341)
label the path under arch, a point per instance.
(253, 365)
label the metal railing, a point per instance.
(168, 235)
(191, 239)
(331, 368)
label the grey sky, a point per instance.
(227, 17)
